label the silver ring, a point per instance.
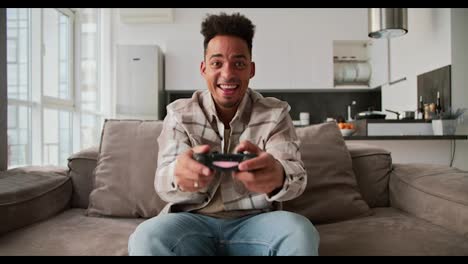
(195, 184)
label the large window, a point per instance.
(46, 103)
(19, 86)
(89, 77)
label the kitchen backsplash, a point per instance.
(319, 103)
(438, 80)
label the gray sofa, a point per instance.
(406, 209)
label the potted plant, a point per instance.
(445, 123)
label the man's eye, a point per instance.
(216, 64)
(240, 64)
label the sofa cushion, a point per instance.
(389, 232)
(331, 193)
(436, 193)
(372, 166)
(71, 233)
(82, 165)
(125, 170)
(30, 194)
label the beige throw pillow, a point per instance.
(331, 194)
(126, 166)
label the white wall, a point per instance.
(3, 93)
(459, 34)
(425, 47)
(292, 48)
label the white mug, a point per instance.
(305, 118)
(304, 115)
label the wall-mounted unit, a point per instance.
(146, 15)
(351, 63)
(139, 82)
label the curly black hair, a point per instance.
(224, 24)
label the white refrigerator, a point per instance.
(139, 82)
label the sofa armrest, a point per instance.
(372, 166)
(435, 193)
(31, 194)
(82, 165)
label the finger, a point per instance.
(245, 177)
(192, 165)
(201, 149)
(190, 175)
(256, 182)
(187, 186)
(246, 145)
(190, 184)
(259, 162)
(205, 181)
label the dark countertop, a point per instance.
(393, 121)
(445, 137)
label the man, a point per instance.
(227, 213)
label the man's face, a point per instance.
(227, 69)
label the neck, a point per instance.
(226, 114)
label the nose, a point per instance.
(228, 71)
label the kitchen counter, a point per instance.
(445, 137)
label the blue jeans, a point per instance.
(273, 233)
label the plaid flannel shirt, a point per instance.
(263, 121)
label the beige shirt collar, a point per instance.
(243, 111)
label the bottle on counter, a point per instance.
(438, 108)
(421, 108)
(432, 111)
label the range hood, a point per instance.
(387, 22)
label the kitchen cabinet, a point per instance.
(273, 65)
(312, 68)
(292, 64)
(360, 63)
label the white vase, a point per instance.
(444, 127)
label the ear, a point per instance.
(252, 69)
(202, 68)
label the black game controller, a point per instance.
(222, 162)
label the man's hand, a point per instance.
(262, 174)
(191, 175)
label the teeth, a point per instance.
(227, 86)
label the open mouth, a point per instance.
(228, 89)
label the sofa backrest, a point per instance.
(370, 164)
